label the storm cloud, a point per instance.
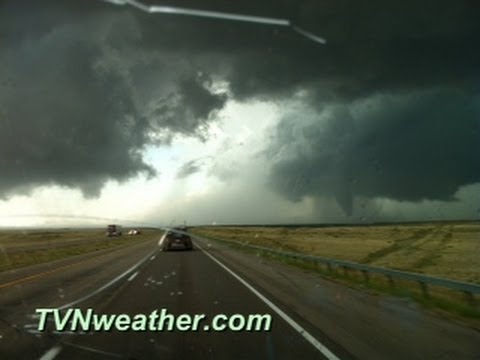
(77, 109)
(387, 109)
(411, 147)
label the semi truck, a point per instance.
(114, 230)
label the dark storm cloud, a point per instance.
(77, 109)
(199, 99)
(189, 109)
(62, 121)
(421, 146)
(87, 86)
(372, 47)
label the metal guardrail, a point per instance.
(469, 289)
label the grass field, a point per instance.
(19, 248)
(449, 250)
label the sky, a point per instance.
(111, 113)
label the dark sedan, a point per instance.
(176, 241)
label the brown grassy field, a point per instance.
(19, 248)
(449, 250)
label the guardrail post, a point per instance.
(345, 271)
(424, 288)
(469, 298)
(329, 267)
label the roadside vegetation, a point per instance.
(20, 248)
(448, 250)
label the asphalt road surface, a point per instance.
(311, 318)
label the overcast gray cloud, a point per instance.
(389, 107)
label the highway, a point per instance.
(311, 318)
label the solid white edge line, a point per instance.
(132, 276)
(317, 344)
(52, 353)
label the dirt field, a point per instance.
(450, 250)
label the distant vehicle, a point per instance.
(182, 228)
(134, 232)
(114, 230)
(174, 240)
